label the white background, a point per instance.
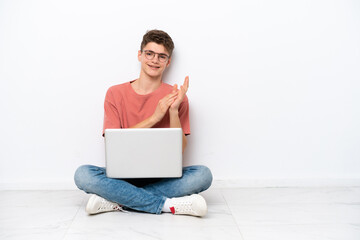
(274, 85)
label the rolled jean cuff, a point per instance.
(161, 205)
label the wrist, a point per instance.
(173, 111)
(153, 120)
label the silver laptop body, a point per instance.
(143, 153)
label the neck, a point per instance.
(146, 84)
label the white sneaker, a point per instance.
(98, 204)
(194, 205)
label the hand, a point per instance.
(163, 106)
(180, 94)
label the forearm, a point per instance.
(175, 123)
(147, 123)
(160, 111)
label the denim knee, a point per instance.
(206, 177)
(81, 176)
(202, 177)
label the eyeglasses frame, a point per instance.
(155, 53)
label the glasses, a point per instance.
(161, 56)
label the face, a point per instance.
(154, 67)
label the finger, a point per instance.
(170, 95)
(172, 98)
(186, 82)
(171, 101)
(183, 89)
(175, 88)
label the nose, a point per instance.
(156, 57)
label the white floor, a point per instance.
(239, 213)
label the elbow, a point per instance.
(184, 144)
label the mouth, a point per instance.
(153, 67)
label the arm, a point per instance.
(174, 108)
(175, 123)
(171, 103)
(147, 123)
(160, 111)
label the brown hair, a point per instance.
(159, 37)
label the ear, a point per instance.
(139, 55)
(168, 63)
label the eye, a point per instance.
(149, 53)
(163, 57)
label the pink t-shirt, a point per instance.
(125, 108)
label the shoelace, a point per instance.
(107, 205)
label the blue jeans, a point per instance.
(146, 195)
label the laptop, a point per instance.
(143, 153)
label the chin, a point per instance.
(154, 75)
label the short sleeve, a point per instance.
(184, 116)
(111, 114)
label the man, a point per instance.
(144, 103)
